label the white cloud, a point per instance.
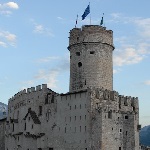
(40, 29)
(116, 70)
(116, 15)
(147, 82)
(12, 5)
(48, 59)
(132, 48)
(50, 76)
(3, 44)
(127, 56)
(7, 38)
(6, 8)
(60, 18)
(5, 12)
(143, 25)
(10, 37)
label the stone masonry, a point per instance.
(91, 116)
(91, 57)
(2, 133)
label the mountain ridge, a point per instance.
(145, 136)
(3, 110)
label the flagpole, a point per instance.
(76, 21)
(103, 20)
(90, 13)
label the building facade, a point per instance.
(2, 133)
(91, 116)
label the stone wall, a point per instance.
(114, 121)
(95, 118)
(2, 133)
(91, 57)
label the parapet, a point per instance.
(29, 91)
(124, 103)
(90, 33)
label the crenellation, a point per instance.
(114, 96)
(32, 89)
(134, 104)
(38, 88)
(44, 86)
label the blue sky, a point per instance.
(34, 39)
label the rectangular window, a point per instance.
(13, 127)
(119, 148)
(25, 126)
(46, 99)
(92, 52)
(110, 114)
(52, 100)
(85, 128)
(40, 110)
(126, 117)
(77, 53)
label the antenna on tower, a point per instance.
(102, 20)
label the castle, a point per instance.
(91, 116)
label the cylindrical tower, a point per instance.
(91, 57)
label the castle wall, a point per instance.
(24, 118)
(73, 121)
(95, 118)
(114, 120)
(2, 133)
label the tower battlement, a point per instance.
(91, 33)
(106, 98)
(29, 91)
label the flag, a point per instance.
(86, 12)
(101, 21)
(76, 21)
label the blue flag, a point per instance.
(86, 12)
